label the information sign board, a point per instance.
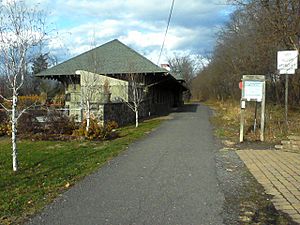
(253, 90)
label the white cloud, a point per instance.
(141, 39)
(139, 24)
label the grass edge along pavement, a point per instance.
(48, 168)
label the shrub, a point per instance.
(58, 123)
(5, 128)
(3, 115)
(96, 130)
(29, 100)
(28, 124)
(109, 130)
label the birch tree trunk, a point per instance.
(88, 114)
(136, 103)
(136, 117)
(14, 132)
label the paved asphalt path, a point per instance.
(169, 177)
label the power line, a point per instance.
(169, 19)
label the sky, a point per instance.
(80, 25)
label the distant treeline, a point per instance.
(248, 45)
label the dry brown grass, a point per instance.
(227, 121)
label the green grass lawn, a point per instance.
(47, 168)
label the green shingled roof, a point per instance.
(113, 57)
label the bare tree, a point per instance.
(248, 44)
(21, 31)
(136, 94)
(183, 67)
(92, 85)
(92, 92)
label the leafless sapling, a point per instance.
(21, 32)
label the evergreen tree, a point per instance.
(40, 63)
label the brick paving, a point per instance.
(279, 174)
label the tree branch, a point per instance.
(24, 110)
(6, 109)
(5, 99)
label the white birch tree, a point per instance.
(136, 94)
(91, 87)
(21, 32)
(91, 90)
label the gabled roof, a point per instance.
(113, 57)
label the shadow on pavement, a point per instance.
(187, 108)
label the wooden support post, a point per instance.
(262, 119)
(242, 124)
(255, 118)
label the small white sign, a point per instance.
(253, 90)
(287, 61)
(243, 104)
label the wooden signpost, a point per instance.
(253, 89)
(287, 63)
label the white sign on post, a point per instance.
(253, 90)
(287, 61)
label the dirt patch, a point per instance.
(256, 145)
